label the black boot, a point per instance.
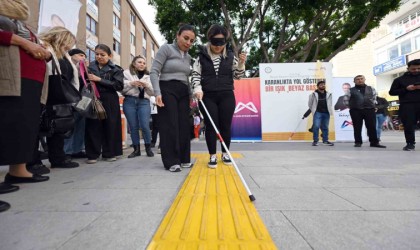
(149, 150)
(136, 151)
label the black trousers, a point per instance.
(369, 116)
(409, 114)
(221, 106)
(105, 136)
(19, 123)
(154, 128)
(174, 125)
(55, 145)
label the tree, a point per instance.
(279, 30)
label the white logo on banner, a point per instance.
(250, 106)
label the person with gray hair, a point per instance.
(361, 100)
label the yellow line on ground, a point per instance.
(212, 211)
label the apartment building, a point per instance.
(399, 43)
(116, 23)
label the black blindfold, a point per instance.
(217, 41)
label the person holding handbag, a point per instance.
(105, 136)
(137, 91)
(59, 40)
(22, 79)
(75, 145)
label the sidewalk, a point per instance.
(309, 197)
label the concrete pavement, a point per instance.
(309, 197)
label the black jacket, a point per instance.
(112, 77)
(382, 105)
(211, 82)
(399, 88)
(360, 97)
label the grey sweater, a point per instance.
(170, 64)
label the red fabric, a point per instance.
(196, 130)
(5, 38)
(30, 67)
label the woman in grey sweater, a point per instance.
(169, 77)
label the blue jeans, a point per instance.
(380, 118)
(76, 143)
(137, 112)
(321, 120)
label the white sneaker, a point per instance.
(226, 159)
(186, 165)
(175, 168)
(109, 159)
(212, 162)
(91, 161)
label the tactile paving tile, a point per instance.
(212, 211)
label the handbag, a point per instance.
(59, 91)
(97, 105)
(89, 106)
(85, 105)
(57, 119)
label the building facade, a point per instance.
(116, 23)
(399, 43)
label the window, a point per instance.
(406, 47)
(131, 57)
(117, 47)
(90, 55)
(417, 42)
(116, 21)
(393, 52)
(153, 49)
(132, 39)
(132, 18)
(144, 39)
(117, 4)
(144, 43)
(91, 24)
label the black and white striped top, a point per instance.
(237, 70)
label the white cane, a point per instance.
(251, 196)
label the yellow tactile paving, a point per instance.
(212, 211)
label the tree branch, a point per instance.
(353, 38)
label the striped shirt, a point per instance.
(238, 70)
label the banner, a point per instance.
(246, 123)
(342, 120)
(285, 90)
(64, 13)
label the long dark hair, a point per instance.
(184, 27)
(217, 29)
(103, 47)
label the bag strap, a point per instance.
(54, 67)
(83, 70)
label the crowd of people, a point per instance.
(39, 65)
(33, 62)
(365, 106)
